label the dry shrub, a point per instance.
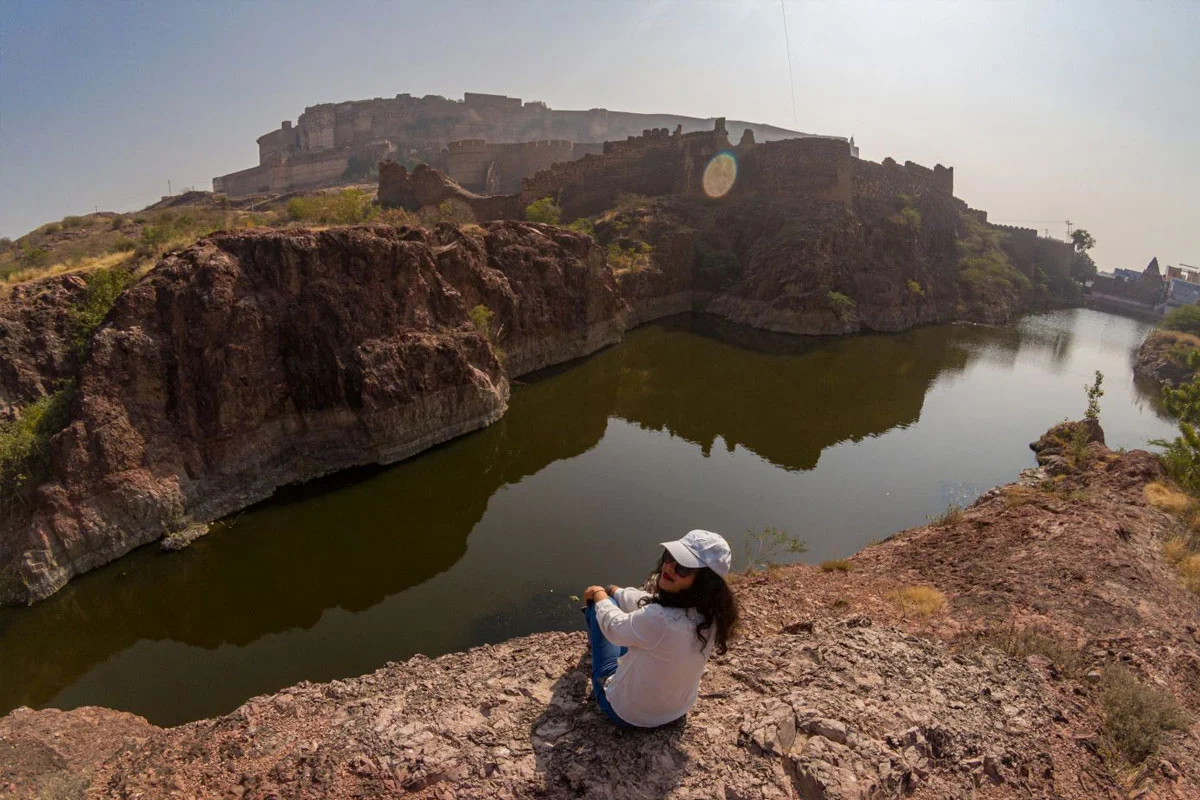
(1136, 717)
(918, 601)
(951, 516)
(1015, 496)
(1175, 550)
(1177, 337)
(1162, 496)
(1189, 570)
(452, 211)
(1033, 640)
(836, 565)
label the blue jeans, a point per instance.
(604, 663)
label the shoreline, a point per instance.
(834, 689)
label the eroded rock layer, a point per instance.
(256, 359)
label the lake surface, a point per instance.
(685, 424)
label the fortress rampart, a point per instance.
(888, 179)
(421, 129)
(490, 168)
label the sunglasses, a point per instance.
(680, 569)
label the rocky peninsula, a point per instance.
(1036, 644)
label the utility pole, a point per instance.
(1068, 230)
(168, 187)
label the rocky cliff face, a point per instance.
(834, 690)
(35, 339)
(257, 359)
(1162, 358)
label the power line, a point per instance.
(791, 79)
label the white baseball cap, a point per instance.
(701, 549)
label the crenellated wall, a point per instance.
(819, 168)
(889, 179)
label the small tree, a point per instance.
(762, 549)
(1094, 393)
(1083, 268)
(1082, 240)
(543, 210)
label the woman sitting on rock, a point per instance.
(649, 650)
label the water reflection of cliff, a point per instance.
(784, 398)
(346, 542)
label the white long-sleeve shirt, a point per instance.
(658, 679)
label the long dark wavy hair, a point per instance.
(712, 599)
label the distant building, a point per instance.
(1184, 272)
(1180, 292)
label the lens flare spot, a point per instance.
(720, 174)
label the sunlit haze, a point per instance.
(1047, 112)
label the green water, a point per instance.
(685, 424)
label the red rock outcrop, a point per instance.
(1162, 358)
(35, 338)
(257, 359)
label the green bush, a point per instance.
(914, 287)
(123, 245)
(1184, 318)
(482, 318)
(24, 446)
(104, 286)
(984, 269)
(583, 225)
(155, 235)
(117, 223)
(347, 207)
(1181, 455)
(634, 257)
(451, 211)
(34, 257)
(1136, 717)
(841, 305)
(543, 210)
(73, 222)
(53, 227)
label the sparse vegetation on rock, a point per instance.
(24, 447)
(544, 210)
(918, 601)
(1137, 717)
(762, 549)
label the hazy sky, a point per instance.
(1047, 111)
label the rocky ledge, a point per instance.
(837, 688)
(1162, 358)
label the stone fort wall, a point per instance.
(491, 168)
(888, 179)
(422, 128)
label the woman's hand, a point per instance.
(613, 589)
(591, 591)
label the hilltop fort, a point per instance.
(485, 142)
